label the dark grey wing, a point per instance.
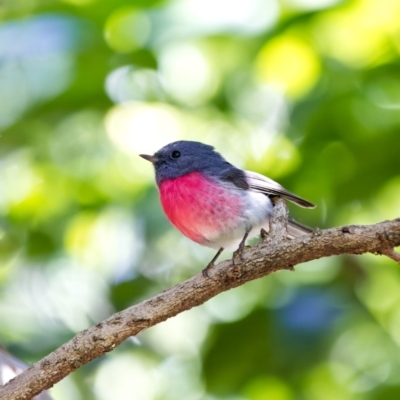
(235, 176)
(262, 184)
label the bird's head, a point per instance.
(183, 157)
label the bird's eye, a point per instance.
(176, 154)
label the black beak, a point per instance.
(152, 159)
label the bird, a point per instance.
(214, 203)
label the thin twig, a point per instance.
(389, 252)
(387, 248)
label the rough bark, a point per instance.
(271, 255)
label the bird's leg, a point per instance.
(211, 263)
(239, 252)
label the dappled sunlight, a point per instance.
(310, 4)
(121, 374)
(142, 128)
(61, 296)
(230, 16)
(359, 33)
(263, 104)
(372, 211)
(385, 309)
(111, 242)
(363, 357)
(313, 272)
(126, 83)
(79, 145)
(127, 29)
(175, 370)
(290, 63)
(179, 336)
(36, 66)
(187, 74)
(390, 196)
(280, 158)
(268, 387)
(320, 384)
(18, 179)
(234, 305)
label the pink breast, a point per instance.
(199, 208)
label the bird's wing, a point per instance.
(262, 184)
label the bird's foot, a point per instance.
(211, 264)
(206, 269)
(263, 234)
(237, 256)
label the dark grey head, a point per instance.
(183, 157)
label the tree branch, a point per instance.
(265, 258)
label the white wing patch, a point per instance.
(261, 184)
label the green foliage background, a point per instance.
(306, 92)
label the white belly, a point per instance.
(256, 213)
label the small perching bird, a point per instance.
(213, 202)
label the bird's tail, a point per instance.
(295, 229)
